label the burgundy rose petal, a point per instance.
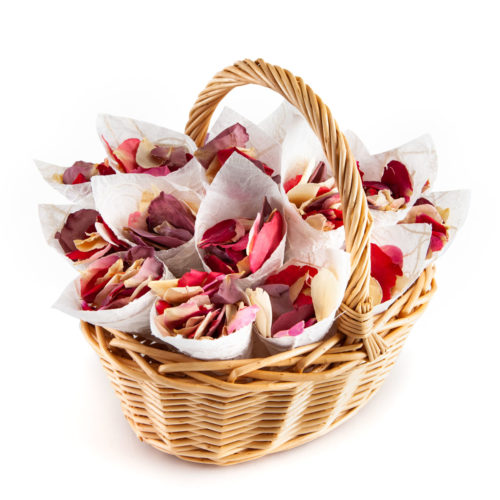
(75, 228)
(147, 238)
(280, 299)
(79, 170)
(228, 292)
(289, 319)
(397, 177)
(166, 207)
(218, 265)
(320, 173)
(234, 136)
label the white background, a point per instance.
(390, 71)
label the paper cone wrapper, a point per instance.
(132, 318)
(77, 193)
(458, 203)
(413, 240)
(116, 129)
(117, 196)
(237, 345)
(420, 158)
(238, 191)
(267, 150)
(339, 263)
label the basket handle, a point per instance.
(356, 319)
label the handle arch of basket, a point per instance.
(356, 319)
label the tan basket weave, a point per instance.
(226, 412)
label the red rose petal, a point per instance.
(436, 226)
(218, 265)
(223, 232)
(291, 183)
(79, 179)
(161, 305)
(384, 269)
(291, 274)
(266, 241)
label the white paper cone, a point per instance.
(458, 202)
(117, 196)
(238, 191)
(116, 129)
(287, 126)
(339, 263)
(420, 158)
(76, 193)
(237, 345)
(413, 240)
(132, 318)
(300, 146)
(52, 219)
(267, 150)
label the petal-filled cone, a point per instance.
(238, 192)
(119, 196)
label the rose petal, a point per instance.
(79, 172)
(225, 231)
(234, 136)
(384, 269)
(293, 331)
(243, 317)
(125, 155)
(166, 207)
(326, 293)
(289, 319)
(397, 177)
(264, 317)
(266, 241)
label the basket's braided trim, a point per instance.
(356, 321)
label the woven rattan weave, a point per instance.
(226, 412)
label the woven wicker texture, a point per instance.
(226, 412)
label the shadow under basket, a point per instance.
(226, 412)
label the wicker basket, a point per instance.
(226, 412)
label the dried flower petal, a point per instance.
(397, 177)
(386, 266)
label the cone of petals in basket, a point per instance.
(233, 134)
(139, 147)
(398, 256)
(445, 212)
(114, 290)
(203, 315)
(393, 181)
(314, 207)
(158, 212)
(73, 182)
(298, 304)
(79, 232)
(240, 227)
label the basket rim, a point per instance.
(322, 361)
